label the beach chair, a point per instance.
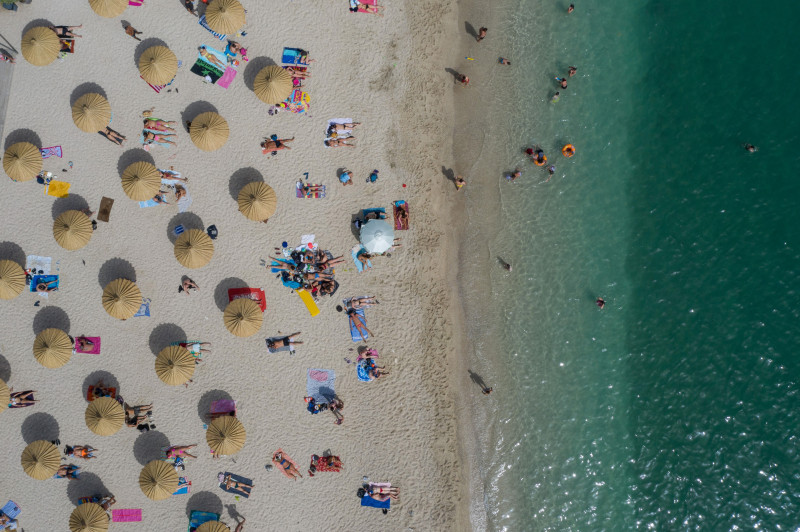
(221, 408)
(197, 518)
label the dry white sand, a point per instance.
(387, 73)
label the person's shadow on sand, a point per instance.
(477, 379)
(449, 173)
(470, 29)
(452, 72)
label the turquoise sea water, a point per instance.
(675, 407)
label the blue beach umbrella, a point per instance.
(377, 236)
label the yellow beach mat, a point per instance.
(311, 305)
(59, 189)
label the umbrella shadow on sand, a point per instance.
(13, 252)
(134, 155)
(204, 405)
(242, 177)
(35, 24)
(50, 317)
(221, 291)
(204, 501)
(148, 446)
(254, 66)
(22, 135)
(5, 369)
(87, 485)
(73, 202)
(109, 381)
(113, 269)
(163, 335)
(188, 220)
(86, 88)
(194, 109)
(39, 426)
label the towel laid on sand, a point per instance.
(197, 518)
(126, 516)
(361, 372)
(368, 501)
(357, 250)
(184, 489)
(58, 189)
(144, 310)
(34, 264)
(52, 151)
(239, 491)
(317, 192)
(50, 280)
(340, 134)
(355, 334)
(256, 294)
(320, 384)
(400, 225)
(203, 23)
(294, 56)
(95, 347)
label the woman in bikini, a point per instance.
(355, 6)
(158, 125)
(274, 145)
(133, 415)
(80, 451)
(360, 326)
(22, 399)
(186, 285)
(66, 31)
(381, 494)
(297, 73)
(83, 345)
(339, 143)
(113, 136)
(211, 58)
(151, 137)
(336, 128)
(235, 485)
(71, 471)
(180, 450)
(288, 467)
(363, 302)
(46, 287)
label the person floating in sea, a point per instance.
(504, 61)
(750, 148)
(550, 170)
(481, 34)
(555, 97)
(600, 302)
(571, 8)
(572, 71)
(514, 175)
(506, 266)
(562, 81)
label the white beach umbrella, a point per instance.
(377, 236)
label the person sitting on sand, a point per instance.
(360, 326)
(158, 125)
(134, 416)
(7, 57)
(6, 523)
(234, 485)
(161, 199)
(286, 341)
(373, 370)
(325, 463)
(180, 450)
(80, 451)
(22, 399)
(100, 390)
(364, 258)
(67, 471)
(65, 32)
(150, 138)
(211, 58)
(335, 406)
(346, 178)
(273, 145)
(113, 136)
(363, 302)
(50, 286)
(339, 143)
(288, 467)
(186, 285)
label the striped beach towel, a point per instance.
(203, 23)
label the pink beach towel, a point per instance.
(95, 349)
(368, 3)
(227, 78)
(135, 2)
(126, 516)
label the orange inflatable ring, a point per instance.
(543, 162)
(568, 150)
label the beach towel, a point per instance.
(91, 397)
(58, 189)
(227, 78)
(95, 348)
(311, 305)
(357, 250)
(50, 280)
(222, 406)
(362, 373)
(320, 384)
(221, 57)
(305, 240)
(238, 492)
(323, 464)
(34, 264)
(288, 459)
(183, 490)
(368, 3)
(355, 334)
(297, 102)
(203, 23)
(150, 144)
(52, 151)
(159, 88)
(197, 518)
(315, 194)
(289, 347)
(105, 209)
(341, 134)
(398, 224)
(11, 510)
(206, 70)
(256, 294)
(368, 501)
(150, 203)
(126, 515)
(294, 56)
(144, 310)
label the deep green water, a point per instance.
(676, 406)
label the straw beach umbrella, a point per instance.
(108, 8)
(141, 181)
(91, 112)
(104, 416)
(41, 459)
(225, 16)
(175, 365)
(52, 348)
(12, 279)
(122, 299)
(88, 517)
(243, 317)
(158, 65)
(72, 230)
(209, 131)
(226, 435)
(40, 46)
(22, 161)
(257, 201)
(194, 248)
(5, 395)
(158, 480)
(213, 526)
(273, 84)
(377, 236)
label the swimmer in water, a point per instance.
(572, 71)
(550, 170)
(514, 175)
(562, 81)
(571, 8)
(750, 148)
(504, 61)
(600, 302)
(555, 97)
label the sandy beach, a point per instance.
(387, 73)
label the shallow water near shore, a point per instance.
(673, 407)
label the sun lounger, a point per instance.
(320, 384)
(288, 459)
(132, 515)
(316, 194)
(203, 23)
(197, 518)
(238, 492)
(95, 347)
(399, 225)
(311, 305)
(91, 397)
(256, 294)
(357, 250)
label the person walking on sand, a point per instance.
(130, 30)
(481, 34)
(460, 182)
(464, 80)
(487, 391)
(240, 525)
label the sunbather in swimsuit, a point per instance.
(113, 136)
(286, 341)
(363, 302)
(71, 471)
(360, 326)
(22, 399)
(234, 485)
(158, 125)
(83, 345)
(211, 58)
(289, 467)
(151, 137)
(338, 143)
(66, 31)
(180, 450)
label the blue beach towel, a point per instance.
(237, 478)
(361, 372)
(197, 518)
(379, 210)
(320, 384)
(203, 23)
(355, 252)
(354, 333)
(144, 310)
(294, 56)
(11, 510)
(149, 203)
(184, 490)
(50, 280)
(366, 500)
